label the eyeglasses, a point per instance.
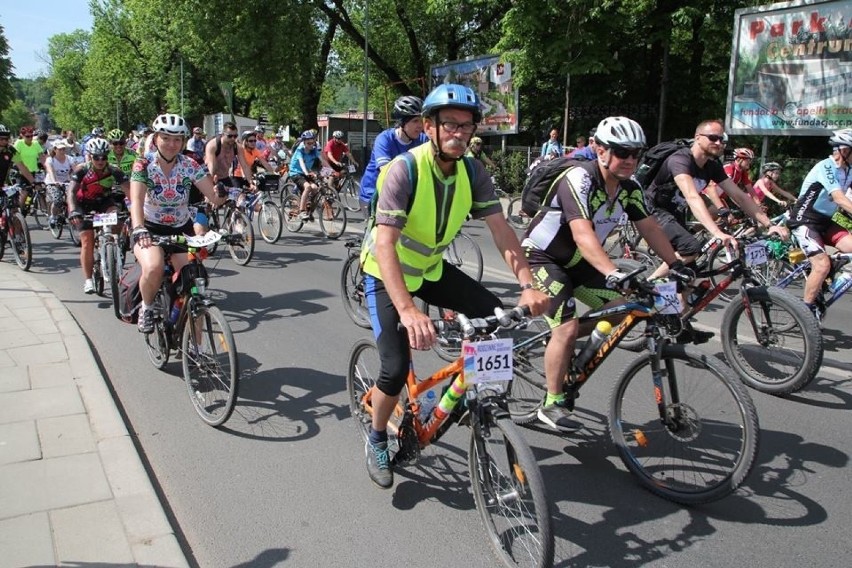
(118, 143)
(252, 140)
(453, 127)
(232, 136)
(99, 157)
(624, 153)
(721, 138)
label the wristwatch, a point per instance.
(527, 286)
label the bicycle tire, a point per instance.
(269, 222)
(465, 254)
(74, 235)
(157, 342)
(113, 263)
(349, 194)
(290, 211)
(37, 213)
(241, 237)
(509, 493)
(665, 458)
(514, 217)
(57, 228)
(331, 215)
(288, 188)
(21, 244)
(529, 385)
(788, 355)
(448, 344)
(213, 389)
(353, 294)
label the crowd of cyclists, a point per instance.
(427, 174)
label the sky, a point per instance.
(27, 24)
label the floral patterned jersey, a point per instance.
(167, 199)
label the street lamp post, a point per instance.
(364, 156)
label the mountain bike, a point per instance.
(836, 284)
(233, 226)
(38, 207)
(108, 256)
(508, 488)
(14, 230)
(352, 290)
(324, 203)
(269, 219)
(349, 189)
(187, 321)
(682, 426)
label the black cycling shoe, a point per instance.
(692, 335)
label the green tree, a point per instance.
(67, 54)
(7, 92)
(16, 115)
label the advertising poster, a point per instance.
(791, 69)
(491, 79)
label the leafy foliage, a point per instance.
(7, 93)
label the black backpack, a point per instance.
(541, 178)
(653, 159)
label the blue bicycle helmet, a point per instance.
(307, 135)
(449, 95)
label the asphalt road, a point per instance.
(284, 483)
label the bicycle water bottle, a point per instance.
(842, 281)
(596, 339)
(427, 403)
(175, 313)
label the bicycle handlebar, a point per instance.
(470, 327)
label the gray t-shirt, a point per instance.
(395, 196)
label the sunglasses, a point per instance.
(624, 153)
(230, 135)
(119, 143)
(721, 138)
(98, 158)
(252, 140)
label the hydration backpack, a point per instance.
(653, 159)
(541, 179)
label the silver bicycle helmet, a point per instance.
(770, 167)
(407, 107)
(97, 147)
(841, 138)
(337, 134)
(170, 124)
(620, 131)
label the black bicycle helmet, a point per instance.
(407, 107)
(4, 130)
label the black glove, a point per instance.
(221, 190)
(682, 274)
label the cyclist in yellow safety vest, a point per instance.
(422, 199)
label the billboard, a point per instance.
(491, 78)
(791, 69)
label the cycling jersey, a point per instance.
(125, 164)
(387, 147)
(580, 193)
(167, 197)
(94, 186)
(29, 153)
(8, 157)
(815, 206)
(61, 170)
(336, 149)
(664, 194)
(738, 176)
(311, 159)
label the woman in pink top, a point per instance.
(767, 186)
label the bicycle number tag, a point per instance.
(667, 301)
(204, 240)
(234, 193)
(351, 169)
(488, 362)
(104, 219)
(755, 254)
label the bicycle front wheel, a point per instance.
(290, 212)
(464, 254)
(332, 215)
(210, 365)
(775, 347)
(74, 235)
(241, 237)
(353, 293)
(157, 342)
(19, 239)
(704, 446)
(349, 194)
(361, 376)
(269, 222)
(514, 215)
(58, 224)
(529, 386)
(509, 493)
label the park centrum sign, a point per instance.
(791, 69)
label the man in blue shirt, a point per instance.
(406, 135)
(552, 146)
(303, 169)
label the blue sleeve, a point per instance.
(384, 150)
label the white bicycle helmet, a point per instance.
(337, 134)
(841, 138)
(97, 147)
(620, 131)
(170, 124)
(4, 131)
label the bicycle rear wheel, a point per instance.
(19, 240)
(331, 214)
(57, 227)
(157, 342)
(269, 222)
(353, 294)
(74, 235)
(210, 363)
(785, 352)
(241, 237)
(704, 447)
(349, 194)
(290, 212)
(529, 386)
(514, 215)
(509, 493)
(464, 254)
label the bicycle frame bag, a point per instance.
(129, 294)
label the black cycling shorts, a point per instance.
(681, 239)
(101, 205)
(167, 231)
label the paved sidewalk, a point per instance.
(73, 490)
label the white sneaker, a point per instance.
(89, 286)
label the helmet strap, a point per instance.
(166, 160)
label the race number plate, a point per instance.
(351, 169)
(667, 301)
(204, 240)
(487, 362)
(104, 219)
(756, 254)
